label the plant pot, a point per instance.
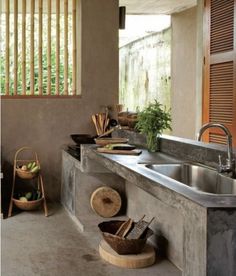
(153, 142)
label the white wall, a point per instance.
(184, 100)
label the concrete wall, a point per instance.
(183, 73)
(45, 124)
(167, 239)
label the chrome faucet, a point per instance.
(230, 161)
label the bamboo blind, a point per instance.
(40, 80)
(74, 47)
(7, 49)
(49, 48)
(66, 47)
(24, 47)
(15, 45)
(57, 46)
(33, 49)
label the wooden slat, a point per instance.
(219, 98)
(217, 138)
(15, 46)
(49, 65)
(7, 62)
(222, 31)
(32, 8)
(40, 47)
(74, 47)
(65, 47)
(57, 46)
(23, 64)
(221, 88)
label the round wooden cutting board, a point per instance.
(105, 201)
(144, 259)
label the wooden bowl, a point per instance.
(27, 205)
(122, 246)
(107, 141)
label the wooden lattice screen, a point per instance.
(39, 38)
(219, 98)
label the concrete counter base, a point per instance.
(193, 226)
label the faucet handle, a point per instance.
(221, 167)
(220, 161)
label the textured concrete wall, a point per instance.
(167, 239)
(45, 124)
(183, 73)
(145, 71)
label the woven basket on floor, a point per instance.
(28, 205)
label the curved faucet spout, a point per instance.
(230, 166)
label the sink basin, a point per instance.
(197, 177)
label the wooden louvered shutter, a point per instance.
(219, 94)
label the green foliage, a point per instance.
(36, 58)
(152, 121)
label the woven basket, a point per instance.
(28, 205)
(122, 246)
(25, 174)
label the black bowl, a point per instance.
(82, 138)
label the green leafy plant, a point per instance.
(152, 121)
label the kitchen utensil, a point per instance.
(82, 138)
(121, 147)
(139, 228)
(123, 152)
(124, 228)
(109, 131)
(105, 201)
(94, 119)
(106, 141)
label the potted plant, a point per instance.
(152, 121)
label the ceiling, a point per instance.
(156, 6)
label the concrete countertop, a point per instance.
(132, 169)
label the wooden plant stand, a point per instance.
(28, 205)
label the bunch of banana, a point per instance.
(31, 167)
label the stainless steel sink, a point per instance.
(197, 177)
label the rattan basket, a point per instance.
(25, 174)
(27, 205)
(122, 246)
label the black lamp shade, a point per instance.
(122, 11)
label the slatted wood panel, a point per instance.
(40, 47)
(219, 98)
(23, 64)
(218, 138)
(15, 46)
(57, 45)
(222, 22)
(29, 46)
(32, 9)
(49, 76)
(221, 93)
(66, 47)
(74, 47)
(7, 61)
